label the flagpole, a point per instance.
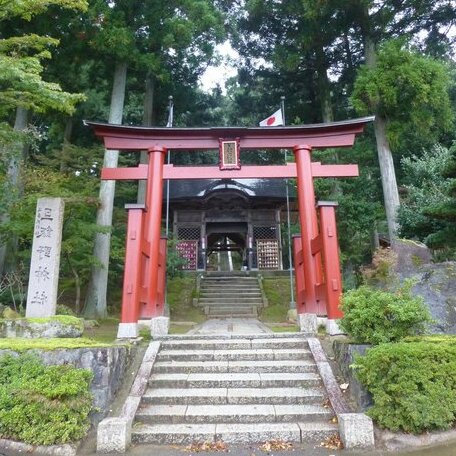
(169, 125)
(292, 302)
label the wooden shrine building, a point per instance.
(243, 217)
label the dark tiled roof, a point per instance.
(254, 188)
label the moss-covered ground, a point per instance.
(105, 331)
(277, 290)
(283, 328)
(21, 345)
(180, 294)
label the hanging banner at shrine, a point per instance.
(45, 263)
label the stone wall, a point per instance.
(345, 354)
(108, 365)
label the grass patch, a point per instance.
(20, 345)
(179, 329)
(180, 292)
(283, 329)
(277, 291)
(105, 332)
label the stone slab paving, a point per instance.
(231, 326)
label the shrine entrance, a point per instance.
(241, 219)
(315, 250)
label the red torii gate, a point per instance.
(315, 251)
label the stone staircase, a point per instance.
(239, 389)
(224, 296)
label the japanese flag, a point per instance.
(273, 120)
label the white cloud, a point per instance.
(217, 75)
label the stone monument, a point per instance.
(45, 263)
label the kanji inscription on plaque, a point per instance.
(45, 263)
(229, 154)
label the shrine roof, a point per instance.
(253, 188)
(330, 134)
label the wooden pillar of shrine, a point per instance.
(154, 197)
(308, 221)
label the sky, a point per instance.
(219, 74)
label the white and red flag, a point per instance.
(273, 120)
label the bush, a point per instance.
(413, 384)
(43, 405)
(376, 316)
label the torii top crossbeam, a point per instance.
(316, 136)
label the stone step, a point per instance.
(234, 380)
(232, 308)
(185, 434)
(235, 344)
(163, 367)
(230, 295)
(235, 355)
(216, 316)
(229, 279)
(233, 336)
(230, 311)
(231, 413)
(203, 396)
(230, 300)
(229, 286)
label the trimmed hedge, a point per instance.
(43, 405)
(375, 316)
(413, 384)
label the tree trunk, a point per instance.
(95, 304)
(66, 142)
(324, 86)
(13, 178)
(327, 115)
(147, 122)
(388, 173)
(385, 157)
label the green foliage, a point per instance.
(43, 405)
(26, 9)
(62, 309)
(444, 211)
(180, 293)
(278, 294)
(413, 384)
(424, 187)
(374, 316)
(21, 68)
(174, 262)
(405, 78)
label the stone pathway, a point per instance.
(235, 387)
(231, 326)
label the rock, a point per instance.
(292, 315)
(10, 314)
(52, 327)
(308, 323)
(345, 354)
(356, 430)
(90, 324)
(410, 256)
